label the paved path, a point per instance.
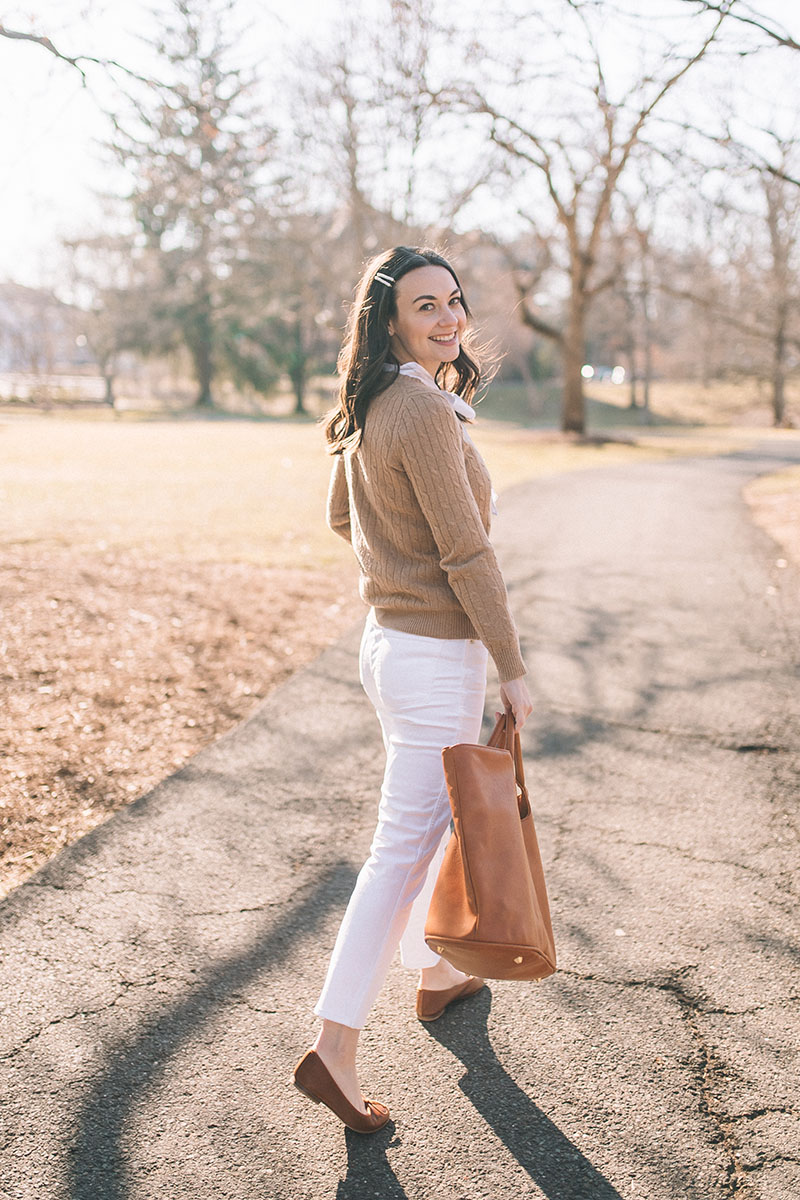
(157, 977)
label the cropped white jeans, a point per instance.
(428, 693)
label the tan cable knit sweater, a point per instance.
(414, 500)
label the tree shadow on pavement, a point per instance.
(554, 1163)
(98, 1168)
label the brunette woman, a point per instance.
(412, 495)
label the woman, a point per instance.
(411, 493)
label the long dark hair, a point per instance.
(365, 351)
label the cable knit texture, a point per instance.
(414, 500)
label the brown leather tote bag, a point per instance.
(489, 913)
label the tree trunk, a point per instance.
(779, 374)
(299, 386)
(200, 349)
(573, 412)
(106, 364)
(629, 343)
(204, 374)
(297, 372)
(706, 343)
(630, 355)
(647, 330)
(647, 412)
(533, 394)
(632, 400)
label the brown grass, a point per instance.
(775, 503)
(116, 669)
(742, 402)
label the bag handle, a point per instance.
(505, 736)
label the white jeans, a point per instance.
(428, 693)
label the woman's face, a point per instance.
(430, 318)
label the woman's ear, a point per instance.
(389, 329)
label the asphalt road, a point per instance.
(157, 978)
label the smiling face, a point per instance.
(430, 318)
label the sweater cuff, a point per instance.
(509, 665)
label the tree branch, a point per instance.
(529, 318)
(669, 83)
(725, 8)
(543, 162)
(606, 282)
(779, 174)
(522, 287)
(615, 169)
(46, 43)
(734, 322)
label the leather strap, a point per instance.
(506, 737)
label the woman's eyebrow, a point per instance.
(454, 292)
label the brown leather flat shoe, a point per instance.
(314, 1080)
(431, 1002)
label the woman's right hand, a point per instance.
(515, 695)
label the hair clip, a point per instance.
(383, 278)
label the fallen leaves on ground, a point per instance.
(115, 669)
(775, 504)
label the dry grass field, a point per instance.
(740, 402)
(775, 504)
(743, 403)
(160, 577)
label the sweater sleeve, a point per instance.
(431, 452)
(337, 514)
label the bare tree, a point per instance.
(640, 262)
(197, 158)
(113, 289)
(579, 154)
(742, 280)
(371, 136)
(292, 265)
(364, 171)
(781, 305)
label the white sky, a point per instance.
(50, 126)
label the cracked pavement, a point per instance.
(158, 976)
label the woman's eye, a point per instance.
(428, 306)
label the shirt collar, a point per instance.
(465, 411)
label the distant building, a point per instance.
(44, 353)
(39, 333)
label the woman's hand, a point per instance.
(515, 695)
